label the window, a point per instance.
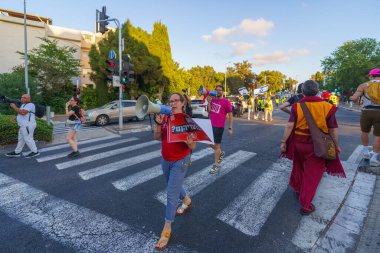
(129, 104)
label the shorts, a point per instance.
(368, 119)
(218, 134)
(75, 127)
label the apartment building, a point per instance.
(12, 40)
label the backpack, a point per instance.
(373, 91)
(40, 111)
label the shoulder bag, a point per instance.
(324, 146)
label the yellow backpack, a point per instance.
(373, 91)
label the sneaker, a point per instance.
(73, 154)
(32, 154)
(366, 154)
(374, 162)
(221, 156)
(13, 154)
(215, 168)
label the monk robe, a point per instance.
(307, 168)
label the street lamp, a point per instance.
(225, 79)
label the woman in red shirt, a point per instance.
(174, 162)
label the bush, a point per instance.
(88, 98)
(9, 130)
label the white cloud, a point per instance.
(240, 48)
(258, 28)
(299, 52)
(275, 57)
(278, 57)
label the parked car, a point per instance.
(199, 108)
(110, 113)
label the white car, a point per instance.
(199, 108)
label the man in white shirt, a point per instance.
(26, 121)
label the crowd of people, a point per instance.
(308, 111)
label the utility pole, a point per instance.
(106, 20)
(26, 52)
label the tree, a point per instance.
(350, 63)
(53, 67)
(274, 78)
(318, 77)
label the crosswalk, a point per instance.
(61, 128)
(247, 213)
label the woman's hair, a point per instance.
(310, 88)
(76, 99)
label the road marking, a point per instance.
(113, 136)
(330, 194)
(79, 228)
(249, 211)
(110, 167)
(200, 180)
(343, 233)
(103, 155)
(138, 178)
(87, 149)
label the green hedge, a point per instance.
(9, 130)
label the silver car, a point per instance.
(110, 113)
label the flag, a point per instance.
(243, 91)
(261, 90)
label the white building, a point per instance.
(12, 40)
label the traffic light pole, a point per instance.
(120, 69)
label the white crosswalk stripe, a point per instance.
(108, 168)
(103, 155)
(138, 178)
(70, 224)
(200, 180)
(62, 129)
(86, 149)
(61, 146)
(250, 210)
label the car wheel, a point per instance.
(102, 120)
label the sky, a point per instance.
(291, 36)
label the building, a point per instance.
(12, 40)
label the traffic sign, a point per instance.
(112, 54)
(116, 81)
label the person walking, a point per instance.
(268, 109)
(250, 107)
(277, 100)
(370, 115)
(26, 121)
(261, 108)
(297, 145)
(334, 99)
(75, 114)
(175, 162)
(218, 108)
(292, 100)
(256, 107)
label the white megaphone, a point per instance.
(205, 93)
(144, 107)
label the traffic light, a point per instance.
(127, 72)
(101, 26)
(111, 69)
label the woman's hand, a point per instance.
(283, 147)
(190, 142)
(158, 118)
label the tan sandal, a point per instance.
(184, 209)
(165, 238)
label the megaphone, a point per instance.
(205, 93)
(144, 107)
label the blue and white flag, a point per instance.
(243, 91)
(261, 90)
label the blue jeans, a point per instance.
(174, 173)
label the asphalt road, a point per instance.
(98, 202)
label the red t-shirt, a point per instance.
(172, 151)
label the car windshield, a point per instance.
(108, 105)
